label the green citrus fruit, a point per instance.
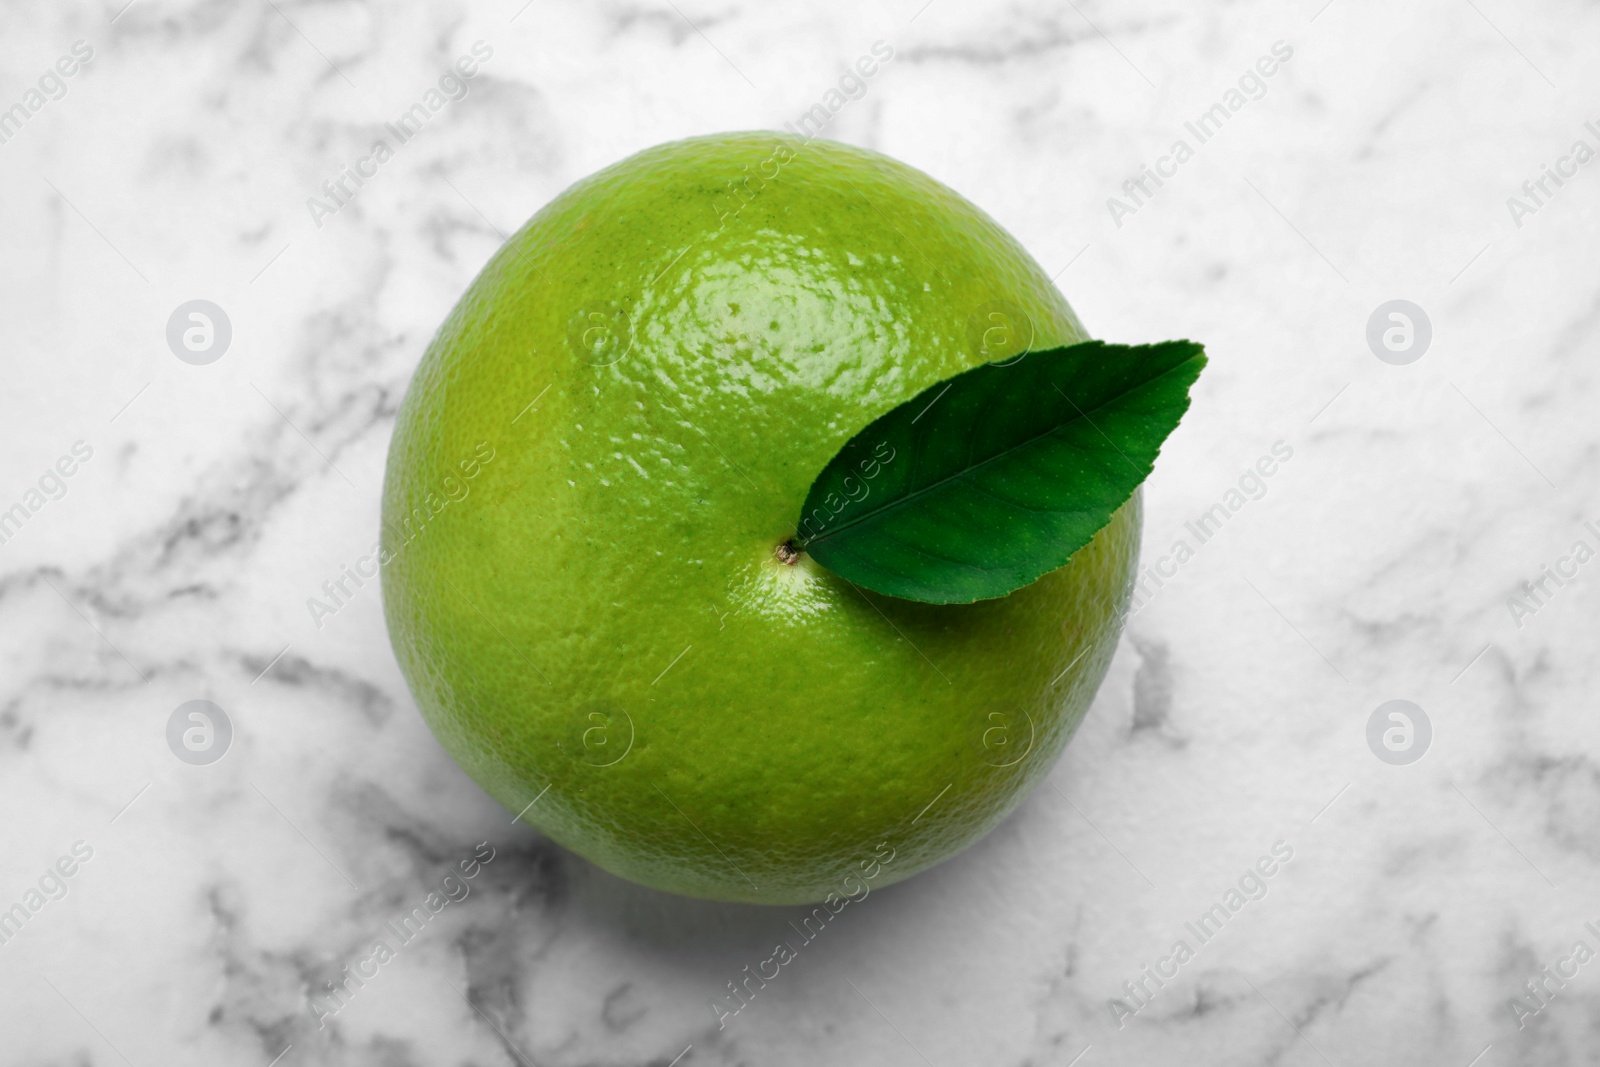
(602, 449)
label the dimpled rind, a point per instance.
(600, 452)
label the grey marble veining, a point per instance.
(1419, 542)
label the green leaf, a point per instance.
(991, 479)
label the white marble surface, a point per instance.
(1378, 565)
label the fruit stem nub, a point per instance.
(787, 553)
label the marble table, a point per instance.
(1243, 786)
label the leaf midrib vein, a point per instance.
(965, 472)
